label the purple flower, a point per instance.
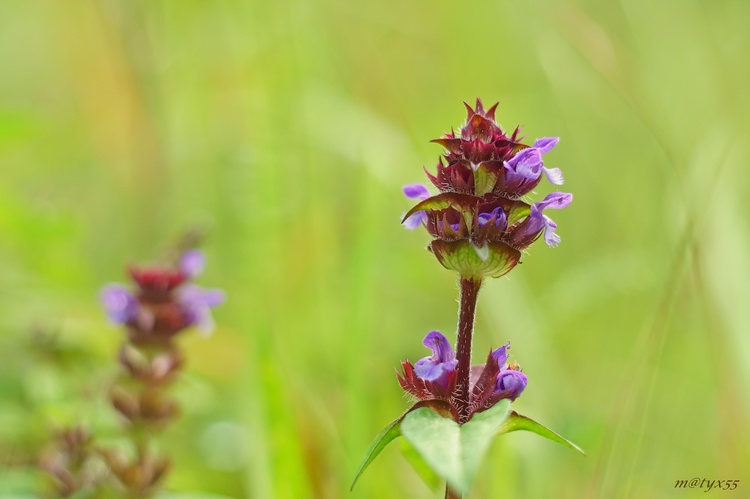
(440, 364)
(512, 381)
(192, 263)
(119, 303)
(509, 379)
(501, 220)
(196, 304)
(537, 221)
(528, 162)
(415, 191)
(501, 355)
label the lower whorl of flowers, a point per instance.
(435, 376)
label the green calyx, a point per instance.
(492, 259)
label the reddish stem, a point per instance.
(466, 314)
(468, 297)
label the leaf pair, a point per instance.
(454, 452)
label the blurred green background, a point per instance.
(287, 128)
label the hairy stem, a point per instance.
(469, 293)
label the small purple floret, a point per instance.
(537, 221)
(119, 303)
(528, 162)
(501, 355)
(546, 144)
(512, 380)
(192, 263)
(501, 220)
(196, 304)
(507, 378)
(440, 364)
(416, 191)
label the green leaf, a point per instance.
(517, 422)
(386, 436)
(429, 477)
(393, 430)
(454, 452)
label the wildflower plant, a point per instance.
(162, 306)
(480, 224)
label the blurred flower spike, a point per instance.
(434, 377)
(478, 220)
(164, 302)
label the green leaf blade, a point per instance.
(433, 481)
(393, 431)
(386, 436)
(454, 452)
(516, 422)
(477, 435)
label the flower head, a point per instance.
(434, 377)
(163, 304)
(478, 221)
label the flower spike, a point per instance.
(481, 179)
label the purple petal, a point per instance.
(196, 304)
(415, 220)
(546, 144)
(554, 175)
(192, 263)
(501, 355)
(515, 381)
(554, 201)
(550, 237)
(441, 348)
(537, 221)
(440, 364)
(119, 303)
(201, 318)
(534, 223)
(193, 295)
(527, 163)
(416, 191)
(428, 370)
(483, 218)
